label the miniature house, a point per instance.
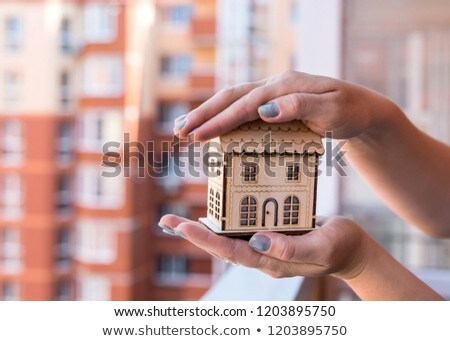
(263, 176)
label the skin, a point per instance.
(392, 155)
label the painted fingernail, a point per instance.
(167, 230)
(180, 124)
(180, 234)
(269, 110)
(259, 243)
(181, 117)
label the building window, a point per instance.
(64, 147)
(211, 202)
(172, 269)
(94, 288)
(100, 23)
(13, 33)
(291, 210)
(103, 76)
(64, 91)
(170, 173)
(292, 172)
(96, 241)
(11, 88)
(217, 206)
(97, 191)
(169, 111)
(248, 211)
(66, 43)
(11, 291)
(10, 251)
(63, 250)
(11, 196)
(176, 66)
(249, 172)
(63, 291)
(64, 194)
(177, 15)
(99, 127)
(11, 146)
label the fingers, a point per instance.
(296, 95)
(298, 249)
(172, 221)
(296, 106)
(234, 250)
(216, 104)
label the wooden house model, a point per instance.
(263, 176)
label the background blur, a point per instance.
(75, 74)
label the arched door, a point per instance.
(270, 213)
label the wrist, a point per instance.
(359, 260)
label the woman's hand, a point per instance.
(337, 247)
(323, 103)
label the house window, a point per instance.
(13, 33)
(11, 196)
(94, 288)
(248, 211)
(169, 111)
(97, 191)
(211, 202)
(249, 172)
(172, 269)
(291, 210)
(10, 251)
(11, 148)
(99, 127)
(217, 207)
(96, 241)
(100, 23)
(64, 194)
(11, 291)
(63, 291)
(177, 15)
(66, 44)
(64, 147)
(11, 91)
(63, 256)
(176, 66)
(103, 76)
(292, 172)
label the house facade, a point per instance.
(263, 177)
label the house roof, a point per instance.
(259, 137)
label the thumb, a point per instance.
(290, 107)
(286, 248)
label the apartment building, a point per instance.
(75, 75)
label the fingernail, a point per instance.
(167, 230)
(180, 124)
(269, 110)
(180, 234)
(260, 243)
(181, 117)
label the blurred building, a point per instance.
(256, 39)
(401, 49)
(75, 75)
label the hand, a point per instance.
(337, 247)
(323, 103)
